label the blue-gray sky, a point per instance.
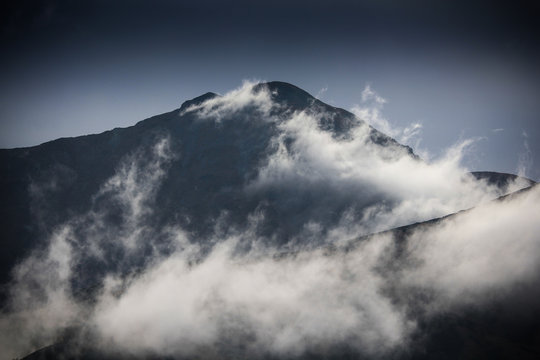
(462, 69)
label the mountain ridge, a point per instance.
(283, 92)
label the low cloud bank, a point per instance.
(480, 252)
(316, 300)
(260, 304)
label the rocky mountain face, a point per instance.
(267, 177)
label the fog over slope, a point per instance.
(230, 227)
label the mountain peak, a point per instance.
(286, 92)
(281, 92)
(198, 100)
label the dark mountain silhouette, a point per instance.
(500, 179)
(44, 186)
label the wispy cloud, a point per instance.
(525, 159)
(232, 102)
(371, 111)
(41, 297)
(321, 93)
(480, 254)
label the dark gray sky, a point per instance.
(461, 68)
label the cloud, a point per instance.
(314, 300)
(371, 111)
(525, 159)
(277, 306)
(248, 95)
(321, 92)
(350, 174)
(40, 305)
(311, 300)
(362, 173)
(42, 302)
(479, 254)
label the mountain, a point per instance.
(501, 179)
(228, 217)
(44, 186)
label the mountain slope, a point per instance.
(45, 185)
(501, 179)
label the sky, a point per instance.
(460, 69)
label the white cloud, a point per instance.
(279, 306)
(315, 299)
(321, 92)
(234, 101)
(356, 168)
(525, 159)
(371, 111)
(41, 303)
(478, 254)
